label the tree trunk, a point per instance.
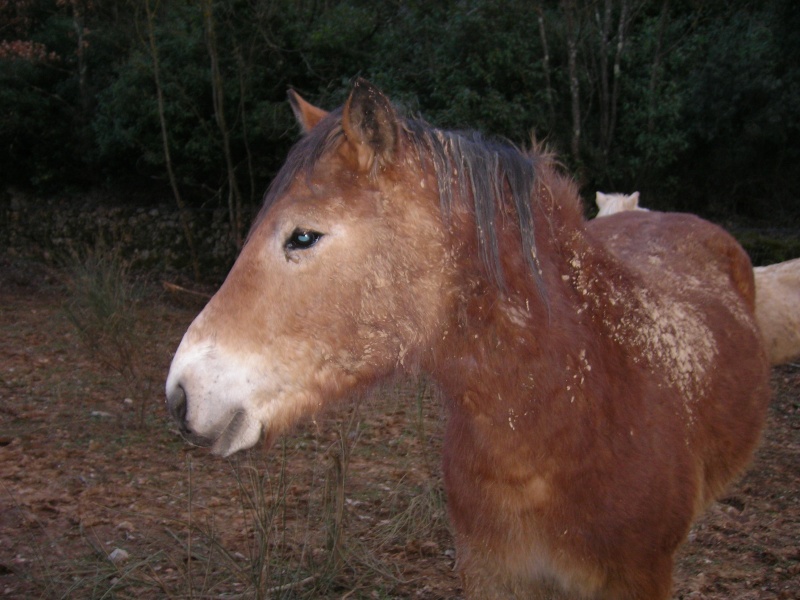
(603, 24)
(218, 97)
(617, 73)
(609, 77)
(79, 26)
(655, 68)
(551, 111)
(570, 19)
(184, 214)
(243, 95)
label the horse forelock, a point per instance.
(477, 174)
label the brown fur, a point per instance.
(594, 406)
(777, 291)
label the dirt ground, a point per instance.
(100, 498)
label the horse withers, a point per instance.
(603, 383)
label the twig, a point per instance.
(290, 586)
(175, 288)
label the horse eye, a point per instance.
(302, 239)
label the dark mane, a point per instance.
(492, 173)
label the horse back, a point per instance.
(657, 244)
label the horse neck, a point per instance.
(506, 347)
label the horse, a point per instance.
(602, 383)
(609, 204)
(778, 309)
(777, 291)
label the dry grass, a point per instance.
(103, 304)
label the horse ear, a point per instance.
(632, 201)
(307, 115)
(370, 125)
(600, 198)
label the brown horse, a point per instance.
(599, 394)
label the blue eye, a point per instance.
(302, 239)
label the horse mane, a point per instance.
(493, 173)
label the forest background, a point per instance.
(695, 103)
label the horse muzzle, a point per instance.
(236, 431)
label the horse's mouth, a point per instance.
(241, 432)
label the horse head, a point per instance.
(339, 283)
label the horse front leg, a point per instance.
(483, 579)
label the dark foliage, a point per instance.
(695, 105)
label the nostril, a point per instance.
(176, 403)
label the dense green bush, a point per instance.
(693, 105)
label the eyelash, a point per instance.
(302, 239)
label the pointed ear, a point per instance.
(307, 115)
(635, 196)
(600, 198)
(370, 126)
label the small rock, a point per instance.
(125, 526)
(118, 556)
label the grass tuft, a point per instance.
(103, 300)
